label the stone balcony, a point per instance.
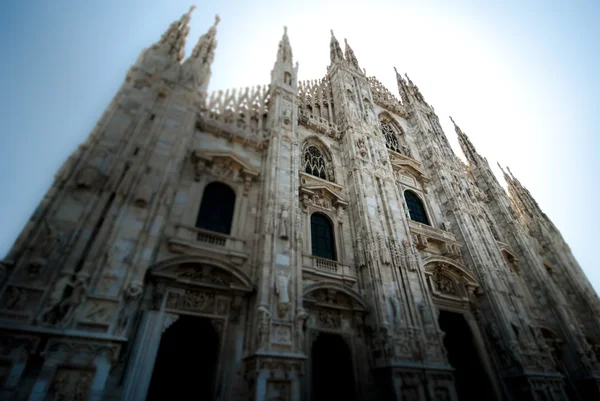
(435, 240)
(328, 268)
(191, 240)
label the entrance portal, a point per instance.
(186, 362)
(332, 376)
(472, 382)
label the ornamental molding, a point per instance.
(223, 164)
(203, 272)
(321, 194)
(404, 164)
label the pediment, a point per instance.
(401, 163)
(321, 196)
(334, 296)
(224, 162)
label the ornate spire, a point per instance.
(284, 72)
(465, 144)
(196, 69)
(350, 55)
(205, 48)
(402, 87)
(285, 50)
(335, 50)
(174, 37)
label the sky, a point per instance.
(519, 77)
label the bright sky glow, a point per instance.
(522, 80)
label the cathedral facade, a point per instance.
(298, 241)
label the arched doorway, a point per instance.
(332, 376)
(464, 358)
(186, 363)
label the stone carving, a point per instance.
(360, 251)
(278, 390)
(282, 290)
(362, 148)
(15, 299)
(330, 319)
(70, 385)
(284, 222)
(170, 318)
(384, 250)
(61, 309)
(444, 284)
(281, 335)
(301, 319)
(262, 327)
(198, 301)
(132, 294)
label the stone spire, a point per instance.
(284, 72)
(285, 50)
(173, 40)
(205, 48)
(335, 50)
(466, 145)
(350, 57)
(402, 87)
(196, 69)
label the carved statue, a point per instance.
(301, 318)
(281, 289)
(284, 222)
(262, 329)
(72, 303)
(132, 294)
(49, 314)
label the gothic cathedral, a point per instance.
(298, 241)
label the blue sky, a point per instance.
(520, 78)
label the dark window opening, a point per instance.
(321, 230)
(186, 362)
(216, 209)
(332, 376)
(415, 208)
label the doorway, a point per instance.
(471, 380)
(331, 369)
(186, 364)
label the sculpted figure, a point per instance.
(55, 298)
(284, 223)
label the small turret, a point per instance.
(284, 73)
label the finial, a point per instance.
(192, 8)
(452, 121)
(395, 70)
(217, 20)
(332, 33)
(346, 41)
(285, 30)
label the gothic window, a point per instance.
(415, 208)
(322, 239)
(316, 162)
(394, 138)
(216, 209)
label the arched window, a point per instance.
(415, 208)
(393, 139)
(317, 162)
(216, 209)
(321, 232)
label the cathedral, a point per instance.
(298, 241)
